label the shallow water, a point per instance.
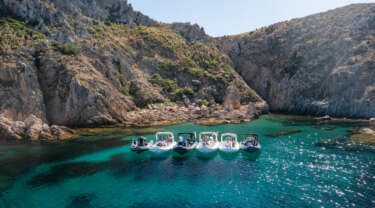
(290, 171)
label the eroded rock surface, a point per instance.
(320, 65)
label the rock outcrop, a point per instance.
(99, 62)
(320, 65)
(32, 130)
(190, 32)
(89, 64)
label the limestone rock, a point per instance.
(18, 128)
(321, 64)
(34, 127)
(232, 98)
(62, 132)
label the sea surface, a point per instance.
(301, 169)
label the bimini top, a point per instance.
(249, 134)
(209, 133)
(228, 135)
(170, 134)
(191, 134)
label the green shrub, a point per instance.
(125, 85)
(189, 63)
(207, 64)
(67, 49)
(188, 91)
(204, 102)
(196, 72)
(168, 85)
(167, 66)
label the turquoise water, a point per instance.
(290, 171)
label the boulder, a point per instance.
(232, 99)
(10, 130)
(34, 126)
(326, 118)
(18, 128)
(62, 132)
(46, 134)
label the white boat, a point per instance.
(229, 143)
(208, 142)
(164, 141)
(186, 142)
(140, 145)
(250, 143)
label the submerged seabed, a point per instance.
(290, 171)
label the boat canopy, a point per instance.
(192, 135)
(244, 136)
(225, 136)
(169, 134)
(214, 134)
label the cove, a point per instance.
(298, 166)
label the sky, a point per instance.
(227, 17)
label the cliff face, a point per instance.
(321, 64)
(82, 64)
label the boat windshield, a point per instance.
(208, 138)
(164, 138)
(186, 137)
(249, 139)
(229, 139)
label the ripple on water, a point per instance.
(290, 171)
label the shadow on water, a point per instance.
(27, 157)
(345, 143)
(229, 156)
(82, 200)
(299, 120)
(250, 156)
(120, 166)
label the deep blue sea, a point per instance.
(289, 171)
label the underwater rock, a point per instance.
(283, 132)
(330, 142)
(62, 172)
(82, 200)
(62, 132)
(364, 138)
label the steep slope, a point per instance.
(88, 64)
(321, 64)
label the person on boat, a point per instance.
(142, 141)
(205, 140)
(170, 139)
(210, 140)
(233, 143)
(255, 140)
(180, 139)
(249, 141)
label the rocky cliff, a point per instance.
(321, 64)
(82, 64)
(92, 63)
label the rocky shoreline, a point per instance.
(33, 129)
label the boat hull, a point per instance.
(250, 148)
(183, 150)
(159, 150)
(207, 149)
(226, 149)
